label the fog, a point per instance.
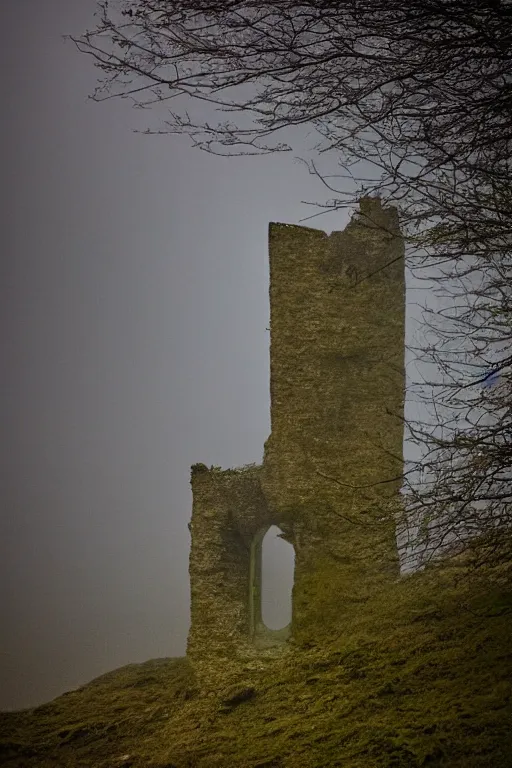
(134, 344)
(277, 571)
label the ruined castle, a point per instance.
(330, 473)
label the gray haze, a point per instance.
(277, 566)
(134, 343)
(133, 340)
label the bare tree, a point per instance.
(420, 93)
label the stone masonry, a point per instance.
(330, 473)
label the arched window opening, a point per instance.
(277, 572)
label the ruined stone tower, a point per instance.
(328, 477)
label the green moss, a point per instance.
(415, 674)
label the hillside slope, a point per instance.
(419, 675)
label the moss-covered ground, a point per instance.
(419, 675)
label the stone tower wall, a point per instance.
(336, 363)
(337, 307)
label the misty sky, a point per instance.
(133, 339)
(134, 343)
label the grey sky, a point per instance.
(134, 307)
(133, 338)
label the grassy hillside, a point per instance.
(419, 675)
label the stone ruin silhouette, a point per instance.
(337, 379)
